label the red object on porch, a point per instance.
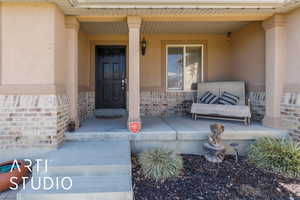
(5, 182)
(134, 127)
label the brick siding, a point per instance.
(257, 101)
(33, 120)
(86, 105)
(160, 103)
(290, 113)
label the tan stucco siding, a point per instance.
(248, 56)
(27, 44)
(0, 42)
(153, 64)
(60, 45)
(83, 61)
(292, 66)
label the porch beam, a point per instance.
(181, 18)
(134, 25)
(274, 64)
(72, 28)
(102, 18)
(207, 18)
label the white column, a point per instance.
(274, 65)
(134, 121)
(72, 26)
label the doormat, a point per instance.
(110, 113)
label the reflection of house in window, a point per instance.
(184, 66)
(175, 68)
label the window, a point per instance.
(184, 66)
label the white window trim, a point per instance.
(184, 62)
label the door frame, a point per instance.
(125, 71)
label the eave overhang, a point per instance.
(179, 4)
(241, 8)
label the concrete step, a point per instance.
(88, 159)
(83, 188)
(89, 136)
(98, 170)
(84, 170)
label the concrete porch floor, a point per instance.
(170, 128)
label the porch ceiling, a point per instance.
(163, 27)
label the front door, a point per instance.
(110, 77)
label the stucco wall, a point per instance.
(0, 40)
(60, 46)
(28, 56)
(34, 39)
(83, 61)
(292, 66)
(152, 64)
(248, 56)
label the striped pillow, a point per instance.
(209, 98)
(228, 99)
(204, 96)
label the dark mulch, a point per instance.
(226, 181)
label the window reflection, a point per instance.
(184, 67)
(175, 68)
(192, 72)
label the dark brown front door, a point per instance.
(110, 77)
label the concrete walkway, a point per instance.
(98, 170)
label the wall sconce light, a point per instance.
(228, 36)
(143, 46)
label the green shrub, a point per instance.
(160, 164)
(281, 156)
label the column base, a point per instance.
(134, 126)
(273, 122)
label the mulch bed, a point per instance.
(225, 181)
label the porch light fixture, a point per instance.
(228, 36)
(143, 46)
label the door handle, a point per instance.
(124, 82)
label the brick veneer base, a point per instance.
(160, 103)
(30, 121)
(257, 100)
(171, 103)
(82, 106)
(290, 114)
(86, 105)
(153, 103)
